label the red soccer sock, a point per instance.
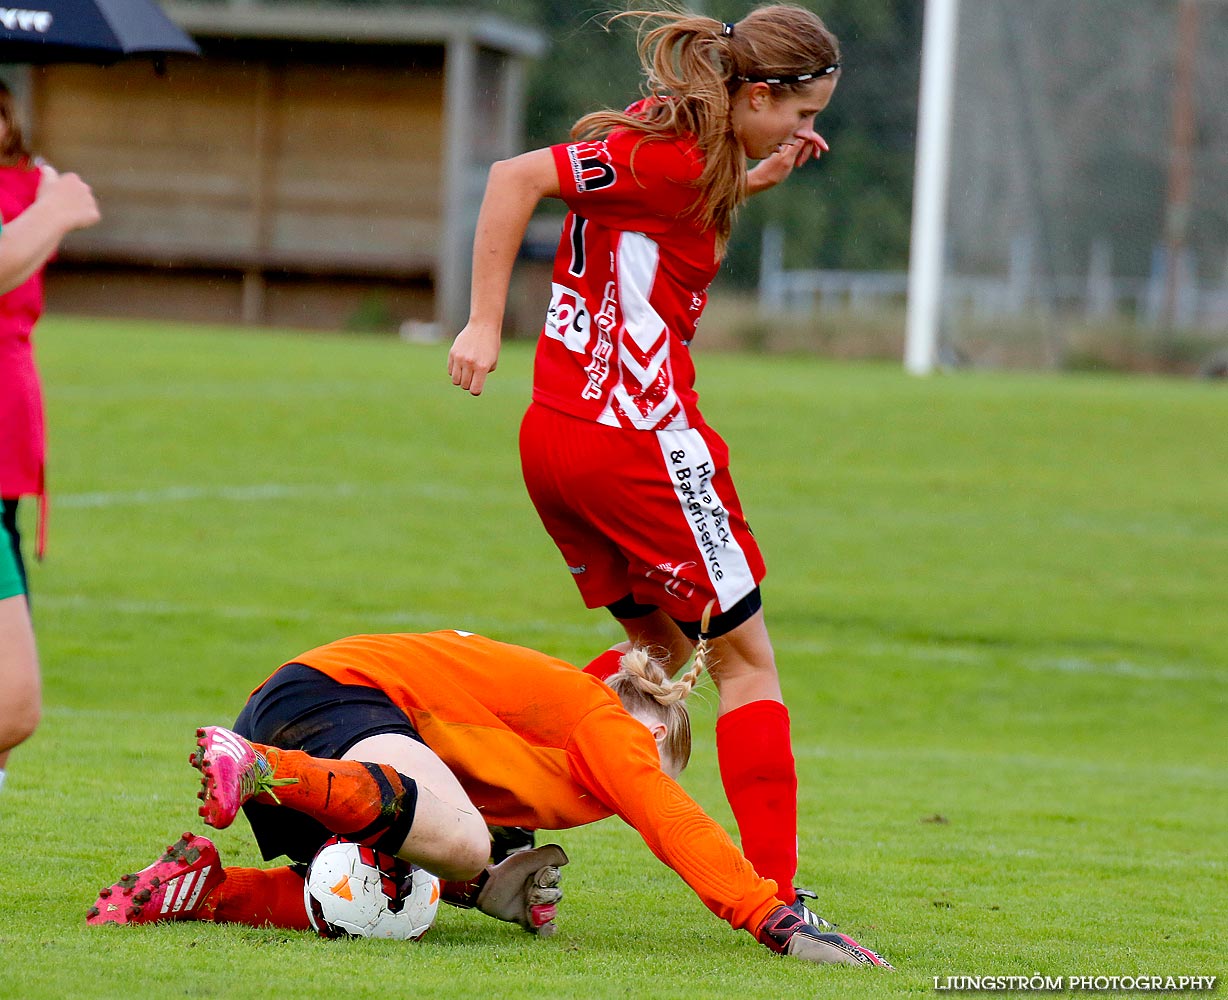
(358, 800)
(760, 779)
(605, 665)
(258, 897)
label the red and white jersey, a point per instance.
(630, 281)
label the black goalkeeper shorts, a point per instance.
(299, 708)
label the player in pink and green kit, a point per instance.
(628, 478)
(38, 207)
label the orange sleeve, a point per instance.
(616, 758)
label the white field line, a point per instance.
(601, 630)
(244, 389)
(254, 493)
(1157, 859)
(891, 760)
(181, 494)
(956, 656)
(997, 762)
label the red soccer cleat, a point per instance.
(172, 888)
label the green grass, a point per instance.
(998, 601)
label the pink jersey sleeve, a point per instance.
(628, 182)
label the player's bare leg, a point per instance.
(657, 633)
(369, 797)
(20, 689)
(450, 839)
(743, 665)
(448, 836)
(660, 635)
(742, 662)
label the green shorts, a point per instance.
(10, 576)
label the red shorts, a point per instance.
(653, 514)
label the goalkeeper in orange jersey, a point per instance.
(415, 745)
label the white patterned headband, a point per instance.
(814, 74)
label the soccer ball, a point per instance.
(356, 891)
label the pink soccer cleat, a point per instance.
(231, 772)
(172, 888)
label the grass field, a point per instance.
(1000, 605)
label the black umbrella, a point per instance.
(89, 31)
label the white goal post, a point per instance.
(1070, 201)
(926, 249)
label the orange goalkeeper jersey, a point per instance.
(537, 743)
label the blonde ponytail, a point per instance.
(646, 691)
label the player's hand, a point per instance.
(474, 354)
(805, 145)
(788, 934)
(69, 196)
(524, 889)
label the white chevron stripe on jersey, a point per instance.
(645, 374)
(643, 344)
(691, 467)
(644, 362)
(638, 257)
(667, 415)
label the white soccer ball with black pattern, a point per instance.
(356, 891)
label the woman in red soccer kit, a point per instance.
(627, 477)
(413, 744)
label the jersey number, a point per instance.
(578, 256)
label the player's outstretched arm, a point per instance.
(513, 191)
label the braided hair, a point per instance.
(646, 689)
